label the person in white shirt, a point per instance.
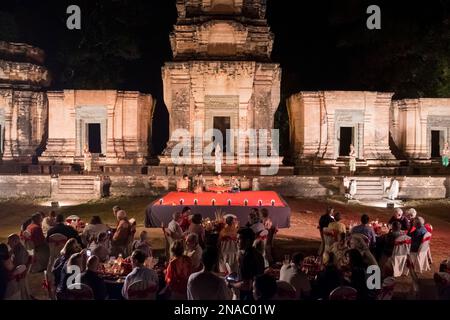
(139, 273)
(194, 251)
(205, 285)
(292, 274)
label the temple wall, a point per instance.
(412, 123)
(316, 119)
(288, 186)
(124, 119)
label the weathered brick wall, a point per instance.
(12, 186)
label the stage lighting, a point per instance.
(161, 201)
(260, 202)
(273, 202)
(245, 202)
(213, 202)
(181, 201)
(229, 202)
(195, 202)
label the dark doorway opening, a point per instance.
(223, 124)
(94, 138)
(345, 140)
(435, 143)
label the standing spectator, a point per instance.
(174, 231)
(61, 228)
(337, 226)
(418, 234)
(41, 249)
(20, 253)
(251, 264)
(292, 273)
(194, 251)
(365, 229)
(91, 278)
(48, 222)
(185, 219)
(197, 228)
(324, 221)
(93, 229)
(228, 245)
(143, 244)
(205, 285)
(140, 273)
(178, 272)
(122, 235)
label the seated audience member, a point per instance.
(93, 229)
(197, 228)
(292, 273)
(194, 251)
(356, 274)
(9, 287)
(264, 288)
(41, 249)
(73, 265)
(235, 184)
(228, 245)
(91, 278)
(218, 181)
(61, 228)
(185, 219)
(48, 222)
(401, 218)
(116, 209)
(418, 234)
(70, 248)
(357, 242)
(101, 247)
(140, 273)
(410, 215)
(337, 226)
(178, 272)
(366, 229)
(199, 183)
(327, 280)
(251, 264)
(20, 254)
(338, 250)
(389, 239)
(183, 184)
(205, 285)
(122, 236)
(143, 244)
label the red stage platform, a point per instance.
(207, 203)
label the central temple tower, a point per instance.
(222, 76)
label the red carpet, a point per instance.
(237, 199)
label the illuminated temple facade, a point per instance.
(221, 77)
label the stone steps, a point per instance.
(75, 187)
(369, 188)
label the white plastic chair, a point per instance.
(343, 293)
(420, 258)
(399, 257)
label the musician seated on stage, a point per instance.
(183, 184)
(235, 184)
(218, 181)
(199, 183)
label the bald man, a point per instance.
(92, 279)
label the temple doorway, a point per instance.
(346, 138)
(437, 143)
(94, 138)
(223, 124)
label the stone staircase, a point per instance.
(76, 187)
(369, 188)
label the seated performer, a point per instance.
(183, 184)
(199, 183)
(235, 184)
(218, 181)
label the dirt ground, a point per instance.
(302, 236)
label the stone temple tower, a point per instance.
(221, 76)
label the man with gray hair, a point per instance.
(401, 218)
(418, 234)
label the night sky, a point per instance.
(320, 44)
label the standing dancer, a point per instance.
(352, 162)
